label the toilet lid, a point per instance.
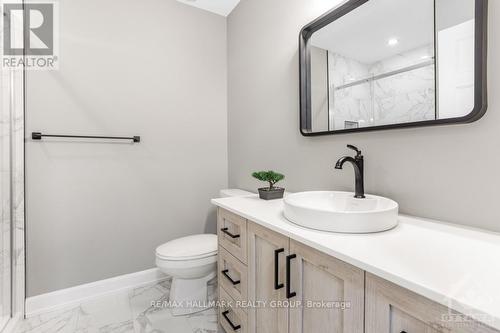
(190, 247)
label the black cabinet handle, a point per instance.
(233, 326)
(289, 293)
(229, 278)
(277, 284)
(225, 230)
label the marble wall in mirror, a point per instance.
(386, 63)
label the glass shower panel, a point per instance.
(401, 96)
(5, 198)
(351, 106)
(408, 96)
(11, 188)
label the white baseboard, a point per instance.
(73, 296)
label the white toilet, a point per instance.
(192, 262)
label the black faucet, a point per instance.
(357, 163)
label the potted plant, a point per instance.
(271, 192)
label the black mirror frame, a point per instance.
(480, 72)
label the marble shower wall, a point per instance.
(5, 197)
(404, 97)
(18, 193)
(12, 190)
(350, 104)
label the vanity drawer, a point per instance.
(232, 232)
(232, 275)
(394, 309)
(231, 318)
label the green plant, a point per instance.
(269, 176)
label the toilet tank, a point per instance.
(234, 192)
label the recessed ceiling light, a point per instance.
(392, 42)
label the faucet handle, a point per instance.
(358, 152)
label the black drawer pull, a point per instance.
(277, 284)
(225, 230)
(229, 278)
(233, 326)
(289, 293)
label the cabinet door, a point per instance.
(393, 309)
(330, 291)
(266, 278)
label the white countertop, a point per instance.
(455, 266)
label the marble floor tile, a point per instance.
(106, 312)
(128, 311)
(64, 321)
(204, 322)
(147, 317)
(124, 327)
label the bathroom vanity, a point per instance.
(420, 277)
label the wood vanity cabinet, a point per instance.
(293, 288)
(394, 309)
(283, 276)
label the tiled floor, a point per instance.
(129, 311)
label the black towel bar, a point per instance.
(39, 136)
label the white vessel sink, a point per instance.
(341, 212)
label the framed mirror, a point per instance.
(382, 64)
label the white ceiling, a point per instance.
(221, 7)
(363, 34)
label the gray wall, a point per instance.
(154, 68)
(448, 173)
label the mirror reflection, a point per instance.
(393, 62)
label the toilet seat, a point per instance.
(201, 256)
(185, 265)
(188, 257)
(190, 248)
